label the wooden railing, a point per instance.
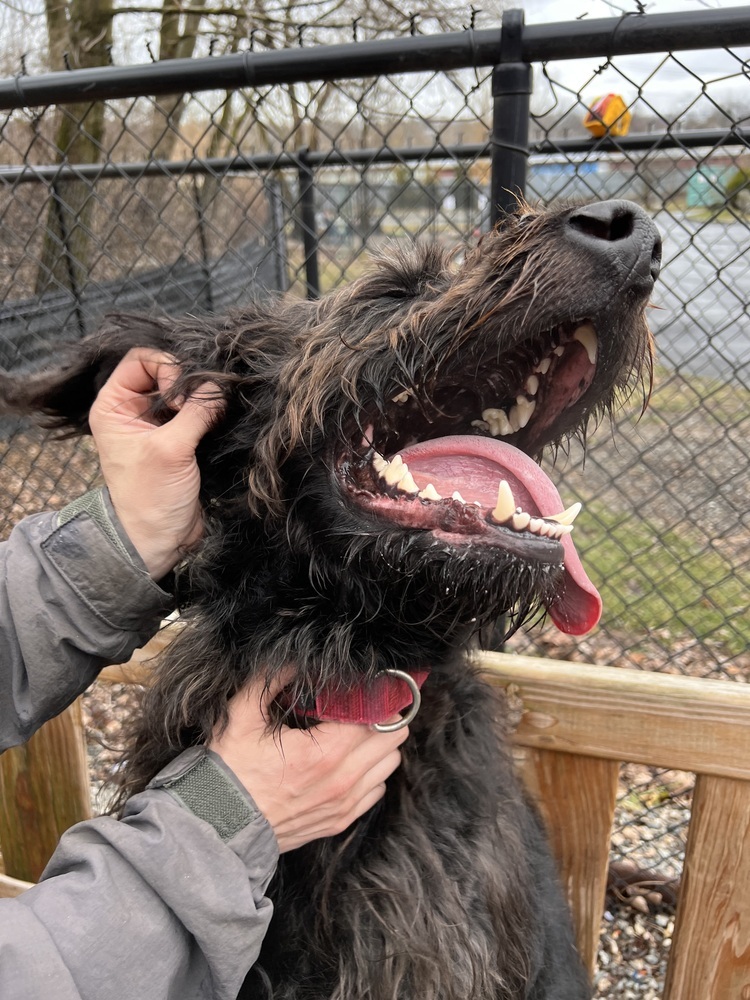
(577, 724)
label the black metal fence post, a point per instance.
(307, 223)
(511, 93)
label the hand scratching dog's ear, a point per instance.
(64, 394)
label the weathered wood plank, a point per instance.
(576, 796)
(131, 672)
(686, 723)
(44, 789)
(10, 887)
(710, 957)
(137, 670)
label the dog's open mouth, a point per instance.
(456, 461)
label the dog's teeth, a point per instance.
(403, 397)
(379, 463)
(482, 425)
(407, 484)
(559, 350)
(395, 471)
(498, 422)
(543, 366)
(536, 524)
(567, 516)
(457, 496)
(585, 334)
(520, 520)
(559, 530)
(506, 505)
(532, 385)
(430, 493)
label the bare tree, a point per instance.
(80, 35)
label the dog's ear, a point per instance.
(63, 395)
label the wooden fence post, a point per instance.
(710, 957)
(576, 796)
(44, 789)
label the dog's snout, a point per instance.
(620, 233)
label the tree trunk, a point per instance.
(64, 259)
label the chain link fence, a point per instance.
(187, 202)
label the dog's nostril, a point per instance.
(603, 225)
(656, 259)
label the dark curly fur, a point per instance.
(445, 890)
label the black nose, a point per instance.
(620, 233)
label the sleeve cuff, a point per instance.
(92, 553)
(202, 783)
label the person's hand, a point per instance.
(150, 468)
(307, 783)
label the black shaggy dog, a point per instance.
(372, 502)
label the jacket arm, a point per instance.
(160, 904)
(74, 596)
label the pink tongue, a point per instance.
(474, 466)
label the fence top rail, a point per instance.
(624, 35)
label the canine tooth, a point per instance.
(532, 385)
(520, 520)
(567, 516)
(430, 493)
(559, 350)
(525, 409)
(457, 496)
(514, 417)
(395, 471)
(506, 504)
(543, 366)
(407, 484)
(378, 462)
(585, 334)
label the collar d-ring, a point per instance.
(391, 727)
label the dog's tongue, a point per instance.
(474, 466)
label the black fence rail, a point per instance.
(191, 184)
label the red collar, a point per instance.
(375, 702)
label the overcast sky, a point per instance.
(672, 89)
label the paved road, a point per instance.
(703, 324)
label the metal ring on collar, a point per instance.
(391, 727)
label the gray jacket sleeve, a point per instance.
(74, 596)
(159, 905)
(167, 903)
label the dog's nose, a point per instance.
(621, 233)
